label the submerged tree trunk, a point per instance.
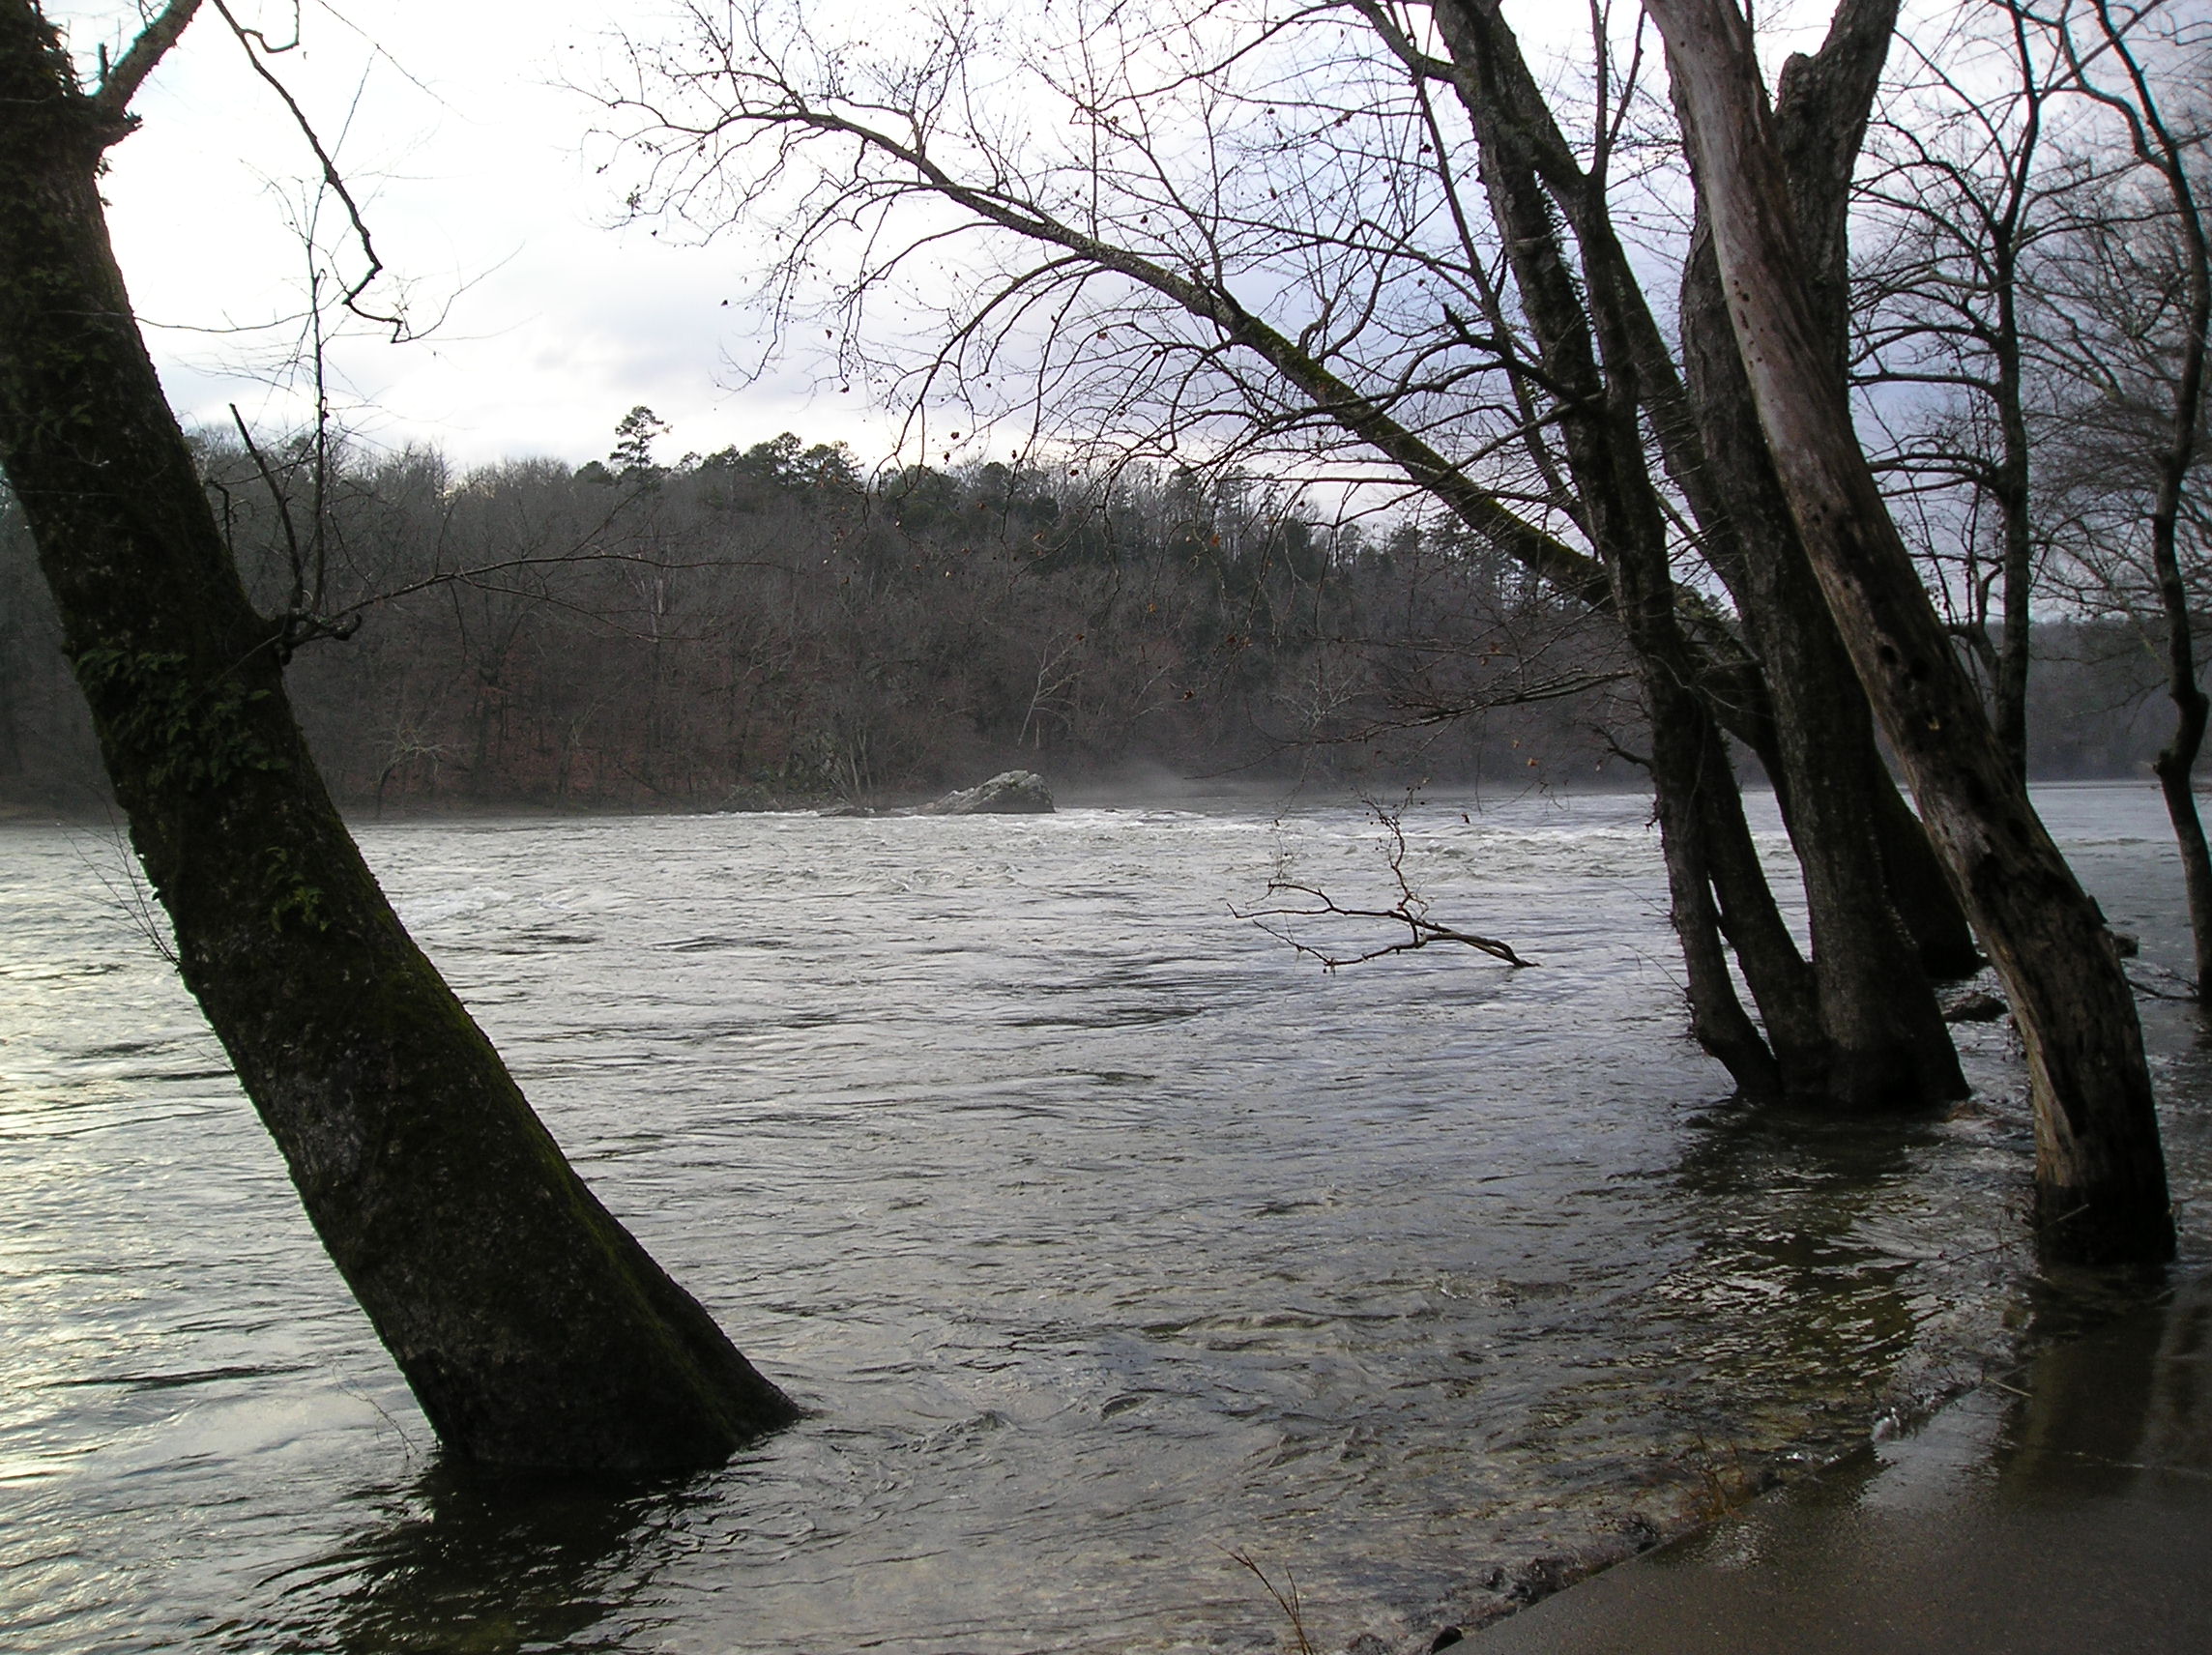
(2173, 155)
(1718, 1021)
(2100, 1174)
(534, 1330)
(1888, 1042)
(1701, 827)
(1860, 1028)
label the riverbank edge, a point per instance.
(1511, 1591)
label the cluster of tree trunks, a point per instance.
(1856, 1025)
(2100, 1174)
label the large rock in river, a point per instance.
(1012, 793)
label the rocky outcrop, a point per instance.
(1012, 793)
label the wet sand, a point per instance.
(2067, 1510)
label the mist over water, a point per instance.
(1101, 1234)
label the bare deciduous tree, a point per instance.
(1268, 235)
(2112, 69)
(531, 1327)
(2100, 1174)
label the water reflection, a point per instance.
(1806, 1277)
(2131, 1402)
(2063, 1513)
(465, 1563)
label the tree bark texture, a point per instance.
(2100, 1173)
(1887, 1039)
(534, 1330)
(1701, 827)
(1861, 1029)
(2010, 486)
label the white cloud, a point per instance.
(456, 131)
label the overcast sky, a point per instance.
(469, 155)
(457, 126)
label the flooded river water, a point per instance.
(1102, 1235)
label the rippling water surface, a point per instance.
(1103, 1234)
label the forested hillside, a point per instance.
(771, 627)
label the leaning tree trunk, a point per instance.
(1718, 1022)
(534, 1330)
(2100, 1174)
(1701, 815)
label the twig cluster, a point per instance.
(1411, 910)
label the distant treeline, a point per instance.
(769, 626)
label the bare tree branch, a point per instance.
(1410, 911)
(120, 82)
(255, 45)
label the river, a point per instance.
(1102, 1235)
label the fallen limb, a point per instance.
(1411, 911)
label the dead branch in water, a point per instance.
(1411, 911)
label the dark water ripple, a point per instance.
(1102, 1235)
